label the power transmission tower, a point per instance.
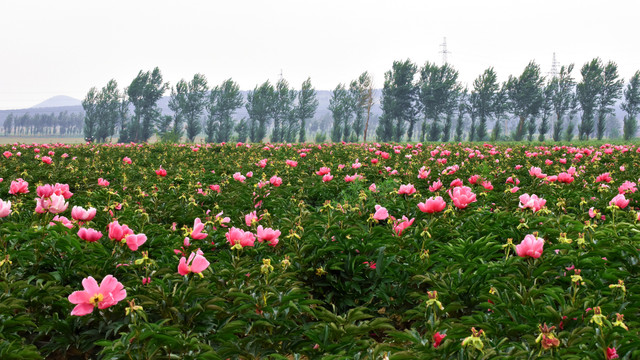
(444, 51)
(554, 67)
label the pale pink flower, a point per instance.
(487, 185)
(5, 208)
(432, 205)
(381, 213)
(532, 202)
(537, 172)
(627, 187)
(400, 226)
(197, 233)
(408, 189)
(237, 236)
(373, 188)
(435, 186)
(251, 218)
(89, 235)
(80, 214)
(327, 177)
(135, 241)
(292, 163)
(62, 220)
(109, 293)
(267, 234)
(239, 177)
(530, 246)
(275, 181)
(423, 173)
(620, 201)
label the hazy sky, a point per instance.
(63, 47)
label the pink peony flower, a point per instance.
(620, 201)
(373, 188)
(5, 208)
(437, 339)
(455, 183)
(89, 235)
(627, 187)
(54, 204)
(564, 177)
(118, 232)
(18, 186)
(109, 293)
(196, 264)
(381, 213)
(251, 218)
(126, 160)
(604, 177)
(80, 214)
(161, 172)
(135, 241)
(323, 171)
(269, 235)
(239, 177)
(275, 181)
(423, 173)
(432, 205)
(292, 163)
(406, 189)
(400, 226)
(197, 233)
(327, 178)
(532, 202)
(530, 246)
(462, 196)
(62, 220)
(103, 182)
(236, 236)
(435, 186)
(537, 172)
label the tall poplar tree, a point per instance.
(631, 105)
(306, 107)
(525, 96)
(398, 99)
(259, 106)
(485, 88)
(588, 91)
(610, 91)
(144, 92)
(562, 89)
(224, 100)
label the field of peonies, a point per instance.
(307, 251)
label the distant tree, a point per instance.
(340, 107)
(631, 106)
(399, 99)
(192, 99)
(525, 96)
(588, 91)
(610, 91)
(242, 128)
(546, 111)
(259, 104)
(306, 107)
(485, 87)
(108, 104)
(573, 112)
(501, 108)
(369, 106)
(438, 89)
(562, 89)
(144, 92)
(361, 93)
(284, 98)
(177, 101)
(224, 100)
(463, 108)
(91, 114)
(8, 124)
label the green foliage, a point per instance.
(144, 92)
(631, 106)
(398, 102)
(224, 100)
(259, 106)
(525, 97)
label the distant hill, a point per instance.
(58, 101)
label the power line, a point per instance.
(444, 51)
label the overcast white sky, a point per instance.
(62, 47)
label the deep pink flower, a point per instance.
(408, 189)
(612, 353)
(487, 185)
(455, 183)
(604, 177)
(620, 201)
(18, 186)
(432, 205)
(530, 246)
(5, 208)
(435, 186)
(473, 179)
(627, 187)
(236, 236)
(109, 293)
(323, 171)
(103, 182)
(532, 202)
(423, 173)
(89, 235)
(118, 232)
(239, 177)
(537, 172)
(196, 263)
(275, 181)
(462, 196)
(400, 226)
(126, 160)
(327, 177)
(135, 241)
(292, 163)
(251, 218)
(197, 233)
(7, 154)
(381, 213)
(437, 339)
(80, 214)
(564, 177)
(161, 172)
(268, 234)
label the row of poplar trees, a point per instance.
(196, 109)
(429, 103)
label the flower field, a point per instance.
(307, 251)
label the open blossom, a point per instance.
(46, 160)
(532, 202)
(564, 177)
(435, 186)
(197, 233)
(118, 232)
(239, 177)
(80, 214)
(537, 172)
(323, 171)
(5, 208)
(251, 218)
(620, 201)
(45, 191)
(487, 185)
(400, 226)
(89, 235)
(373, 188)
(109, 293)
(103, 182)
(626, 187)
(275, 181)
(161, 172)
(54, 204)
(406, 189)
(423, 173)
(18, 186)
(126, 160)
(437, 339)
(62, 220)
(327, 177)
(240, 237)
(262, 163)
(474, 179)
(432, 205)
(456, 183)
(135, 241)
(381, 213)
(612, 353)
(196, 264)
(292, 163)
(604, 177)
(268, 234)
(530, 246)
(462, 196)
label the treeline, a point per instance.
(197, 109)
(429, 103)
(63, 123)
